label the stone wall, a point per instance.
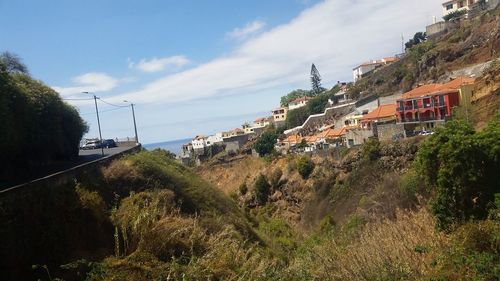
(387, 132)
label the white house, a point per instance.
(369, 66)
(214, 139)
(298, 103)
(457, 5)
(199, 142)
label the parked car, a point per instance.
(108, 143)
(93, 144)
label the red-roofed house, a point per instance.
(298, 103)
(382, 114)
(430, 103)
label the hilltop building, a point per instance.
(298, 103)
(279, 116)
(370, 66)
(457, 5)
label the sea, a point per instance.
(174, 146)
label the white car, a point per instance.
(92, 144)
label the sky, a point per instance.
(195, 66)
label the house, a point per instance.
(431, 104)
(382, 114)
(298, 103)
(370, 66)
(214, 139)
(199, 142)
(457, 5)
(279, 116)
(333, 136)
(261, 122)
(232, 133)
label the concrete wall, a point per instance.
(387, 132)
(236, 142)
(357, 136)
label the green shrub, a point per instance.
(371, 149)
(305, 166)
(262, 189)
(472, 255)
(463, 168)
(454, 14)
(243, 189)
(265, 143)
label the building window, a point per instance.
(461, 4)
(449, 7)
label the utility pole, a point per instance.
(98, 122)
(133, 117)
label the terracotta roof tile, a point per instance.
(383, 111)
(429, 89)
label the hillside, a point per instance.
(436, 59)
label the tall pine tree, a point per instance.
(315, 80)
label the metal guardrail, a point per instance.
(69, 170)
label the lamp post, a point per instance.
(133, 117)
(98, 122)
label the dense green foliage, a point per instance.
(285, 100)
(265, 143)
(462, 166)
(371, 149)
(262, 189)
(454, 15)
(317, 104)
(37, 126)
(305, 166)
(418, 38)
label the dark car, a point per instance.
(108, 143)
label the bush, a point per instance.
(262, 189)
(463, 168)
(454, 15)
(305, 166)
(472, 255)
(274, 178)
(265, 143)
(37, 126)
(243, 189)
(371, 150)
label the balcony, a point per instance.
(422, 119)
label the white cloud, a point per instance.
(91, 82)
(336, 35)
(251, 28)
(158, 64)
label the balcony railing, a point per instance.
(421, 119)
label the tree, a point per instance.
(297, 117)
(11, 63)
(462, 166)
(305, 166)
(265, 143)
(418, 38)
(262, 189)
(315, 81)
(285, 100)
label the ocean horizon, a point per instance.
(174, 146)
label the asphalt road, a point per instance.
(40, 172)
(92, 154)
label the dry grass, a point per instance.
(400, 249)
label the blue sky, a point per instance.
(197, 67)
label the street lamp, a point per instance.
(133, 117)
(98, 122)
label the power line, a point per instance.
(108, 103)
(100, 111)
(80, 99)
